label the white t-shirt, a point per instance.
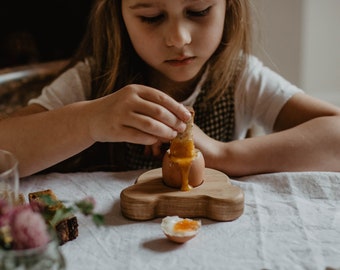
(258, 100)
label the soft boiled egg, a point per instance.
(179, 229)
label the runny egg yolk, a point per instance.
(182, 148)
(179, 229)
(183, 153)
(186, 225)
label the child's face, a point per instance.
(175, 37)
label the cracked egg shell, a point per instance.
(172, 174)
(180, 230)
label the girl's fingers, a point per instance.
(157, 149)
(133, 135)
(152, 113)
(164, 101)
(150, 125)
(136, 114)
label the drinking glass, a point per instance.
(9, 177)
(47, 257)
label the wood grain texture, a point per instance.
(149, 198)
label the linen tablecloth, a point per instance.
(290, 221)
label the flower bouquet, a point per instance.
(28, 238)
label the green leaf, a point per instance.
(85, 207)
(60, 215)
(98, 219)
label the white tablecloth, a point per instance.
(290, 221)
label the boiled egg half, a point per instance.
(180, 230)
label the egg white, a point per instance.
(169, 222)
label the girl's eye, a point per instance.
(152, 20)
(160, 17)
(200, 13)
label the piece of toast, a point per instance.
(66, 229)
(187, 134)
(182, 146)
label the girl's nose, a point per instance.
(177, 35)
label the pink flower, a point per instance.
(89, 200)
(28, 228)
(86, 205)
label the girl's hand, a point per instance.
(209, 147)
(137, 114)
(157, 149)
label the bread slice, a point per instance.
(67, 228)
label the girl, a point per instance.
(139, 62)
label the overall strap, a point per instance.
(216, 119)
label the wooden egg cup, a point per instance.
(216, 198)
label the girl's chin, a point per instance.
(182, 77)
(175, 76)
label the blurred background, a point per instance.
(40, 30)
(300, 39)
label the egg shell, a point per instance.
(180, 237)
(172, 174)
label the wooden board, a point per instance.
(150, 198)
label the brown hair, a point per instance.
(115, 62)
(230, 58)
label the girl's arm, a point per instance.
(41, 138)
(307, 139)
(137, 114)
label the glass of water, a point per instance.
(9, 177)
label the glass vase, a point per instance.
(48, 257)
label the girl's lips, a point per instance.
(180, 61)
